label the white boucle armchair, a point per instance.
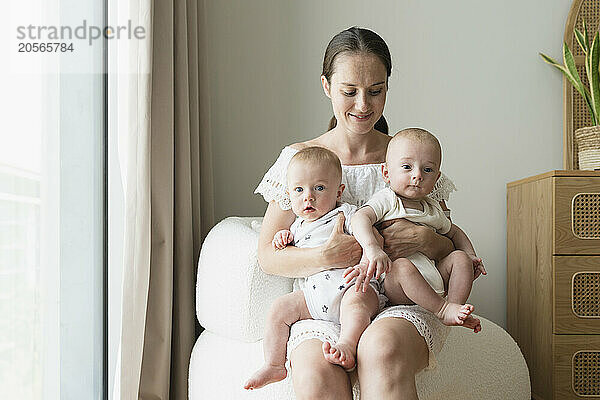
(232, 299)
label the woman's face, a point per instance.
(357, 91)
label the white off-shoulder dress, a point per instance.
(361, 182)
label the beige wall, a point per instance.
(467, 70)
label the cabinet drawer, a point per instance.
(576, 367)
(577, 215)
(576, 294)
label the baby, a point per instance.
(411, 169)
(314, 177)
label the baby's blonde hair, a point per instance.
(318, 155)
(419, 135)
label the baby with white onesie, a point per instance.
(411, 169)
(314, 178)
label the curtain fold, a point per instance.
(181, 207)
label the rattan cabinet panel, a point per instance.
(553, 281)
(576, 294)
(577, 215)
(577, 366)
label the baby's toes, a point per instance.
(336, 353)
(465, 310)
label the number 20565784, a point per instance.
(45, 47)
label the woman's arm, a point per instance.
(403, 238)
(341, 250)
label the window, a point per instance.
(52, 257)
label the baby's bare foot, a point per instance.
(472, 323)
(265, 375)
(452, 314)
(341, 354)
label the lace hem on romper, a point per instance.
(361, 182)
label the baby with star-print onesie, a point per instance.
(323, 291)
(323, 294)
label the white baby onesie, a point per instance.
(323, 291)
(387, 205)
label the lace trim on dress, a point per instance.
(273, 185)
(442, 189)
(274, 191)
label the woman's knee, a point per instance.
(393, 345)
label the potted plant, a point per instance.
(587, 139)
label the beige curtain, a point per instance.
(169, 199)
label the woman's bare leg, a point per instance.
(314, 377)
(390, 353)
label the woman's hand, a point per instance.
(341, 249)
(403, 238)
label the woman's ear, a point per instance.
(340, 191)
(385, 173)
(325, 85)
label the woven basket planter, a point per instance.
(587, 141)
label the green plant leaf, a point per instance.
(570, 72)
(569, 62)
(581, 41)
(592, 62)
(576, 82)
(586, 35)
(592, 65)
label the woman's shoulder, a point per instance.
(309, 143)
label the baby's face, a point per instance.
(314, 189)
(412, 168)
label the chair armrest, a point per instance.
(233, 294)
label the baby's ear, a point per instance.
(385, 173)
(340, 190)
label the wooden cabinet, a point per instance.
(553, 281)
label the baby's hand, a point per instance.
(379, 262)
(282, 239)
(478, 267)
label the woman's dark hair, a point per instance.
(357, 40)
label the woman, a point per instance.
(402, 340)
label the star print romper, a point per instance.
(323, 291)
